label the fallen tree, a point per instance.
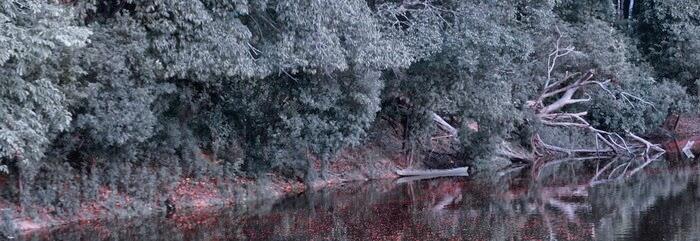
(552, 107)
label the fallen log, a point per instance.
(408, 179)
(460, 171)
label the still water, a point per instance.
(663, 206)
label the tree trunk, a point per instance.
(631, 8)
(444, 125)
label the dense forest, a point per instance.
(134, 95)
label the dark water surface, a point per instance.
(647, 207)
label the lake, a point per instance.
(661, 206)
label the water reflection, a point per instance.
(646, 207)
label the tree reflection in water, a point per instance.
(561, 207)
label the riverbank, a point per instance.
(372, 161)
(443, 208)
(201, 194)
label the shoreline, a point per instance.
(189, 196)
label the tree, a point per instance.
(668, 36)
(105, 91)
(36, 40)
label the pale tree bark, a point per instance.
(460, 171)
(631, 8)
(444, 125)
(549, 107)
(620, 12)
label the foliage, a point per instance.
(668, 33)
(35, 40)
(219, 89)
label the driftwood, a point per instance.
(460, 171)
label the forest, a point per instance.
(134, 96)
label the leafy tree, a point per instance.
(36, 40)
(668, 36)
(479, 75)
(107, 93)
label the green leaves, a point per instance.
(669, 33)
(330, 112)
(186, 77)
(33, 109)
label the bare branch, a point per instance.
(568, 94)
(557, 95)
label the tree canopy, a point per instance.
(267, 85)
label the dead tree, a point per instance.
(550, 108)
